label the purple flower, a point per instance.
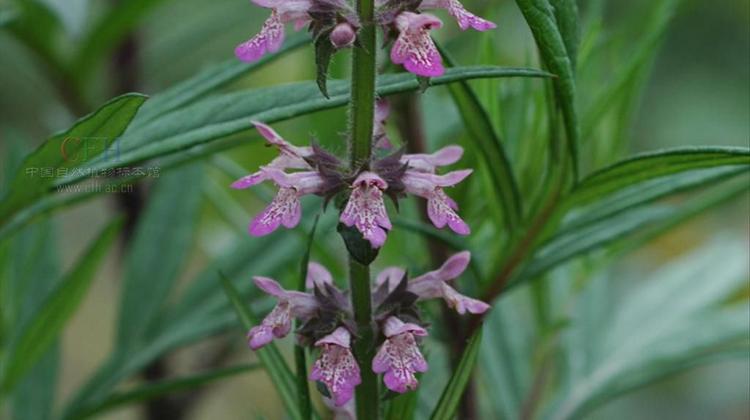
(434, 284)
(441, 209)
(429, 162)
(285, 209)
(271, 35)
(399, 357)
(336, 366)
(464, 18)
(317, 275)
(290, 157)
(278, 323)
(414, 47)
(366, 210)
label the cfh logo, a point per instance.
(81, 149)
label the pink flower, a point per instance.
(336, 366)
(429, 162)
(464, 18)
(414, 47)
(434, 284)
(366, 210)
(441, 209)
(278, 323)
(290, 157)
(271, 35)
(285, 209)
(399, 357)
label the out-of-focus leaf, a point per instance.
(169, 386)
(624, 81)
(540, 16)
(671, 322)
(89, 137)
(29, 270)
(490, 151)
(38, 333)
(652, 165)
(108, 32)
(402, 407)
(586, 238)
(209, 80)
(158, 252)
(223, 115)
(451, 397)
(273, 362)
(648, 191)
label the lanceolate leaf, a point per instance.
(38, 333)
(88, 138)
(490, 150)
(540, 16)
(274, 363)
(566, 15)
(651, 165)
(158, 252)
(169, 386)
(451, 397)
(303, 390)
(223, 115)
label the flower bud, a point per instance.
(343, 35)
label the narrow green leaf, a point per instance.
(303, 390)
(158, 252)
(223, 115)
(88, 138)
(655, 164)
(209, 80)
(274, 363)
(324, 51)
(489, 149)
(651, 220)
(166, 387)
(40, 331)
(540, 16)
(566, 15)
(448, 404)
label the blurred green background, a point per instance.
(697, 93)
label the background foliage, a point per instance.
(614, 290)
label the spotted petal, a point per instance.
(441, 210)
(268, 40)
(414, 47)
(336, 366)
(399, 357)
(285, 209)
(366, 210)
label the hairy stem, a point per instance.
(362, 109)
(364, 349)
(363, 86)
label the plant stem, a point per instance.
(362, 109)
(363, 86)
(364, 349)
